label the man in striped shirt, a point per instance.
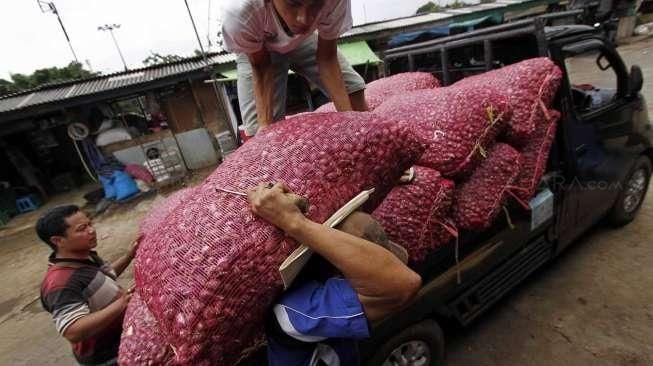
(80, 289)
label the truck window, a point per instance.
(592, 78)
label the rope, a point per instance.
(492, 120)
(78, 132)
(519, 200)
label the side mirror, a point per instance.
(635, 80)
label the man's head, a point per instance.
(66, 228)
(298, 15)
(365, 226)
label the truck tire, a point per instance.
(421, 344)
(633, 192)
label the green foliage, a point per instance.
(457, 5)
(429, 7)
(7, 87)
(18, 82)
(156, 58)
(432, 7)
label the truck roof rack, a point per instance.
(533, 26)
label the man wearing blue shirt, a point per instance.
(319, 322)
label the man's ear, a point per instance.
(57, 240)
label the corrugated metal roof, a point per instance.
(71, 89)
(395, 24)
(431, 19)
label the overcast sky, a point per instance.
(32, 40)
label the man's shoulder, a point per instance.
(60, 277)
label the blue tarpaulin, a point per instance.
(445, 30)
(404, 38)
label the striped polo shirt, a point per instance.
(74, 288)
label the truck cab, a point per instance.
(598, 170)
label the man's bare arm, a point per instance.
(263, 74)
(94, 323)
(383, 283)
(331, 74)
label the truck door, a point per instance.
(598, 120)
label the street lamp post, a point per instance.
(110, 28)
(49, 7)
(234, 131)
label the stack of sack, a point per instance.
(489, 136)
(207, 268)
(380, 90)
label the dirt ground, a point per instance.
(593, 306)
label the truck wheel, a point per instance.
(632, 193)
(421, 344)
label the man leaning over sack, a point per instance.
(272, 36)
(80, 289)
(319, 322)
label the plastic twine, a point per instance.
(521, 202)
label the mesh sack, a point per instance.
(478, 200)
(141, 342)
(210, 271)
(460, 123)
(535, 154)
(530, 86)
(160, 210)
(413, 215)
(379, 90)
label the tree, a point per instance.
(18, 82)
(432, 7)
(156, 58)
(429, 7)
(7, 87)
(219, 39)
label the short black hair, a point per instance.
(53, 223)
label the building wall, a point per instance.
(181, 109)
(189, 108)
(212, 108)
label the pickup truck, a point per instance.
(598, 172)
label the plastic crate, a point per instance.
(28, 203)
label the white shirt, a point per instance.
(251, 25)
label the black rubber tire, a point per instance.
(618, 215)
(427, 331)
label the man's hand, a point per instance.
(276, 204)
(121, 263)
(134, 247)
